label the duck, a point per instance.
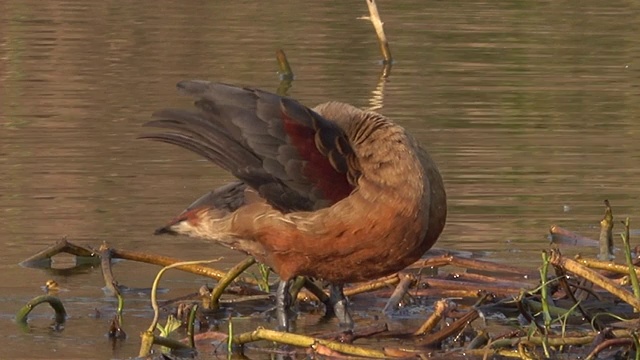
(331, 192)
(51, 287)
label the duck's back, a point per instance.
(393, 216)
(347, 195)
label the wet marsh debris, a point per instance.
(574, 307)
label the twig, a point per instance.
(472, 286)
(478, 278)
(608, 266)
(398, 294)
(599, 280)
(454, 328)
(440, 308)
(372, 285)
(305, 342)
(107, 273)
(606, 233)
(378, 25)
(168, 261)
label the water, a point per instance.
(530, 110)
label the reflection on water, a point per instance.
(529, 109)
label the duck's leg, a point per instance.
(283, 304)
(340, 306)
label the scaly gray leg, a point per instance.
(340, 306)
(283, 305)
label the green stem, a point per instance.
(227, 279)
(120, 306)
(191, 325)
(627, 254)
(545, 301)
(54, 302)
(148, 339)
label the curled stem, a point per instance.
(148, 338)
(228, 279)
(54, 302)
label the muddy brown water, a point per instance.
(532, 111)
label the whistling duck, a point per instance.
(333, 192)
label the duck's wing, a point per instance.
(293, 157)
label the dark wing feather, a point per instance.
(293, 157)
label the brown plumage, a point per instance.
(334, 192)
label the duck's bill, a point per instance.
(164, 230)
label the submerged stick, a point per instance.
(43, 258)
(378, 25)
(481, 265)
(107, 273)
(561, 235)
